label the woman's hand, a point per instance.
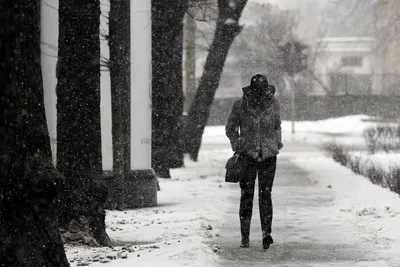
(239, 145)
(280, 145)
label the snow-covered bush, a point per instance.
(394, 180)
(338, 153)
(376, 174)
(382, 137)
(385, 177)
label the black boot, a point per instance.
(267, 241)
(245, 243)
(245, 231)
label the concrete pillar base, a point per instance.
(141, 189)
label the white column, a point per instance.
(49, 43)
(140, 84)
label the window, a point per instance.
(352, 61)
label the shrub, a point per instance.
(373, 172)
(354, 164)
(338, 153)
(382, 137)
(376, 175)
(371, 139)
(394, 179)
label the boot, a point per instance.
(245, 243)
(245, 231)
(267, 241)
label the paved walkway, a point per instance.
(303, 228)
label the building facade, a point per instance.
(347, 66)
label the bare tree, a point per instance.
(167, 97)
(119, 63)
(78, 121)
(256, 48)
(29, 183)
(388, 30)
(205, 13)
(227, 28)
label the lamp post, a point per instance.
(293, 61)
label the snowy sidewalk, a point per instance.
(324, 216)
(175, 232)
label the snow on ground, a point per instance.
(345, 130)
(386, 161)
(324, 215)
(376, 209)
(178, 231)
(173, 233)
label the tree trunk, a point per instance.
(119, 43)
(227, 29)
(167, 97)
(78, 122)
(29, 183)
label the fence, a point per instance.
(321, 107)
(358, 84)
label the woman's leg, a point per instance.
(266, 175)
(246, 201)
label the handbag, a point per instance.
(235, 168)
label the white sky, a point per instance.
(310, 14)
(292, 3)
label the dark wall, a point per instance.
(321, 107)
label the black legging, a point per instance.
(266, 175)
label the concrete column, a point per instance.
(190, 60)
(141, 190)
(49, 50)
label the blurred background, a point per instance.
(345, 61)
(352, 55)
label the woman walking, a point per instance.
(254, 130)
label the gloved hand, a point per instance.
(280, 145)
(238, 148)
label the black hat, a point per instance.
(258, 85)
(259, 81)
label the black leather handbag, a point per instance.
(235, 168)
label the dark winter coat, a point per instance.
(254, 132)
